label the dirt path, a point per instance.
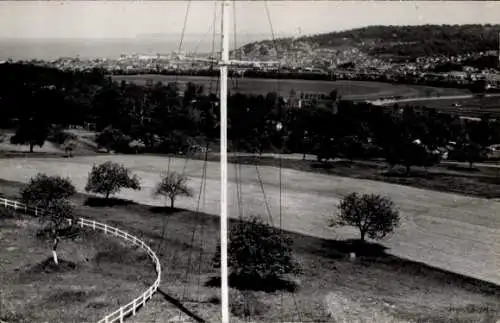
(453, 232)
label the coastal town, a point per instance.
(349, 64)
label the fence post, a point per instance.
(15, 205)
(121, 314)
(93, 225)
(133, 307)
(5, 202)
(105, 228)
(36, 211)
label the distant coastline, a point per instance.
(48, 49)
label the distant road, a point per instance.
(432, 98)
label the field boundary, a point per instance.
(131, 307)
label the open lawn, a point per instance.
(353, 90)
(450, 231)
(373, 288)
(97, 274)
(474, 107)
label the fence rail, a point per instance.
(131, 307)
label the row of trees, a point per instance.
(51, 195)
(257, 252)
(162, 118)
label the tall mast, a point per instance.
(223, 161)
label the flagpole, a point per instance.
(223, 162)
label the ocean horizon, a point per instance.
(46, 49)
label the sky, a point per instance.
(128, 20)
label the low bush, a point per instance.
(59, 136)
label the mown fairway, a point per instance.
(354, 90)
(453, 232)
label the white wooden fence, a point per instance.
(127, 309)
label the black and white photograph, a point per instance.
(250, 161)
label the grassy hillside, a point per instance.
(376, 287)
(393, 41)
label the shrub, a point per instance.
(60, 136)
(113, 139)
(258, 253)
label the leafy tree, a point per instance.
(31, 132)
(42, 190)
(111, 138)
(351, 147)
(375, 216)
(109, 178)
(173, 185)
(258, 252)
(59, 222)
(325, 148)
(69, 146)
(470, 152)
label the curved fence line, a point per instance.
(131, 307)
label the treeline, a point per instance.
(159, 118)
(281, 74)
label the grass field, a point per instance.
(96, 275)
(354, 90)
(449, 231)
(469, 107)
(375, 288)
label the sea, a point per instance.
(47, 49)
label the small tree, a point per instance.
(69, 146)
(109, 178)
(172, 185)
(473, 153)
(43, 190)
(258, 252)
(59, 220)
(374, 215)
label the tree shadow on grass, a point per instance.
(102, 202)
(322, 165)
(339, 249)
(180, 306)
(400, 173)
(270, 285)
(164, 210)
(48, 266)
